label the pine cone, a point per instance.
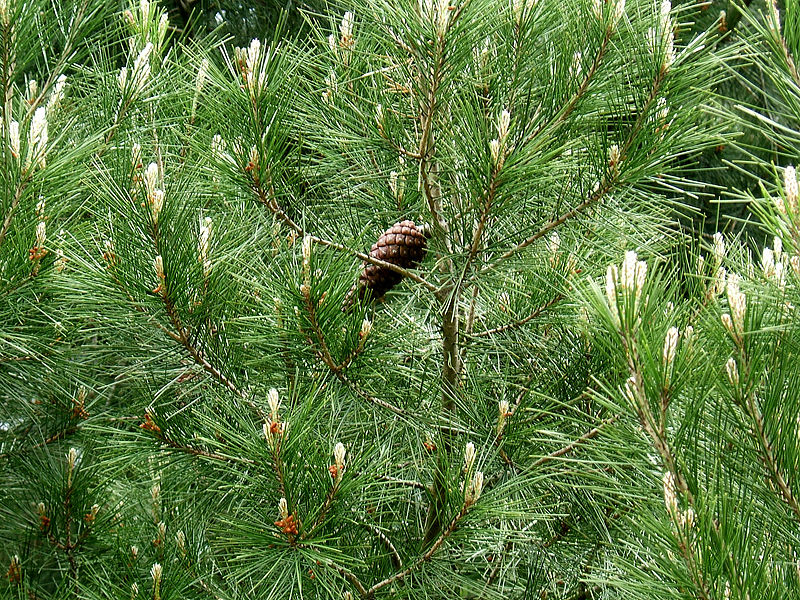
(403, 244)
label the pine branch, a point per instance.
(654, 428)
(787, 55)
(428, 172)
(60, 435)
(362, 591)
(68, 546)
(496, 568)
(277, 466)
(324, 353)
(368, 594)
(586, 593)
(566, 449)
(369, 397)
(488, 204)
(69, 549)
(656, 431)
(499, 437)
(7, 68)
(470, 318)
(25, 358)
(323, 511)
(115, 125)
(203, 585)
(181, 336)
(445, 82)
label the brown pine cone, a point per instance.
(403, 244)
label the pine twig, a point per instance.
(204, 453)
(488, 203)
(787, 55)
(362, 591)
(18, 358)
(451, 527)
(337, 370)
(369, 593)
(566, 449)
(324, 352)
(205, 586)
(397, 562)
(769, 458)
(181, 335)
(58, 436)
(369, 397)
(496, 568)
(593, 198)
(14, 204)
(57, 69)
(406, 482)
(277, 466)
(536, 312)
(575, 443)
(586, 593)
(753, 411)
(68, 546)
(581, 91)
(606, 185)
(656, 431)
(323, 511)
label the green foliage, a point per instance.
(191, 411)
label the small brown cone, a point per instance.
(403, 244)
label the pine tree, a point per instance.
(562, 397)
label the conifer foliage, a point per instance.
(554, 398)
